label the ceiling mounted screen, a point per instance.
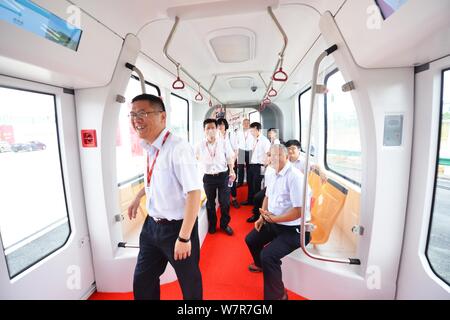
(389, 7)
(29, 16)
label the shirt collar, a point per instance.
(157, 144)
(287, 166)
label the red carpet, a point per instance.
(223, 263)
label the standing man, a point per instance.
(244, 144)
(272, 134)
(218, 160)
(258, 158)
(277, 231)
(172, 187)
(229, 138)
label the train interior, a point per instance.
(364, 85)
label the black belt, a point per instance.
(216, 174)
(164, 221)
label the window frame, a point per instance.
(300, 115)
(147, 83)
(436, 174)
(69, 222)
(325, 109)
(188, 105)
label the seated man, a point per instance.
(277, 231)
(298, 161)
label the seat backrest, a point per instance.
(326, 209)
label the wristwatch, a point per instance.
(183, 240)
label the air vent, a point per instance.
(240, 82)
(232, 45)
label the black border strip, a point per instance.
(187, 102)
(435, 179)
(149, 83)
(300, 115)
(62, 177)
(325, 105)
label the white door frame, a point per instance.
(416, 278)
(68, 272)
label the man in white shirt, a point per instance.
(258, 158)
(272, 135)
(217, 158)
(244, 144)
(229, 137)
(298, 161)
(172, 187)
(277, 231)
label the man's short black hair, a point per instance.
(224, 122)
(272, 129)
(256, 125)
(207, 121)
(153, 100)
(291, 143)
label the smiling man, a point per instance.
(172, 187)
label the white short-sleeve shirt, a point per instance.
(260, 147)
(174, 175)
(214, 157)
(284, 192)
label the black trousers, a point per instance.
(268, 246)
(157, 243)
(243, 160)
(212, 185)
(233, 188)
(254, 181)
(258, 200)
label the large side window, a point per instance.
(179, 117)
(438, 247)
(129, 153)
(342, 136)
(304, 104)
(34, 218)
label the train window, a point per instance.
(438, 247)
(342, 137)
(130, 155)
(304, 102)
(254, 116)
(179, 117)
(34, 220)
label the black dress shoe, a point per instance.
(253, 218)
(246, 203)
(212, 230)
(285, 296)
(235, 204)
(228, 230)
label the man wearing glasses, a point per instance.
(172, 188)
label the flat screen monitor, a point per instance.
(27, 15)
(389, 7)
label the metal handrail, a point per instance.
(283, 49)
(140, 74)
(305, 178)
(177, 64)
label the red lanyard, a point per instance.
(212, 155)
(150, 169)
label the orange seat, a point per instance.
(326, 209)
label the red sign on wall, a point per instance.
(89, 138)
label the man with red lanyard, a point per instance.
(217, 158)
(258, 158)
(244, 145)
(172, 187)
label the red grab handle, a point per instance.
(199, 97)
(178, 84)
(272, 93)
(280, 75)
(267, 101)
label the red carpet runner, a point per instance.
(223, 263)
